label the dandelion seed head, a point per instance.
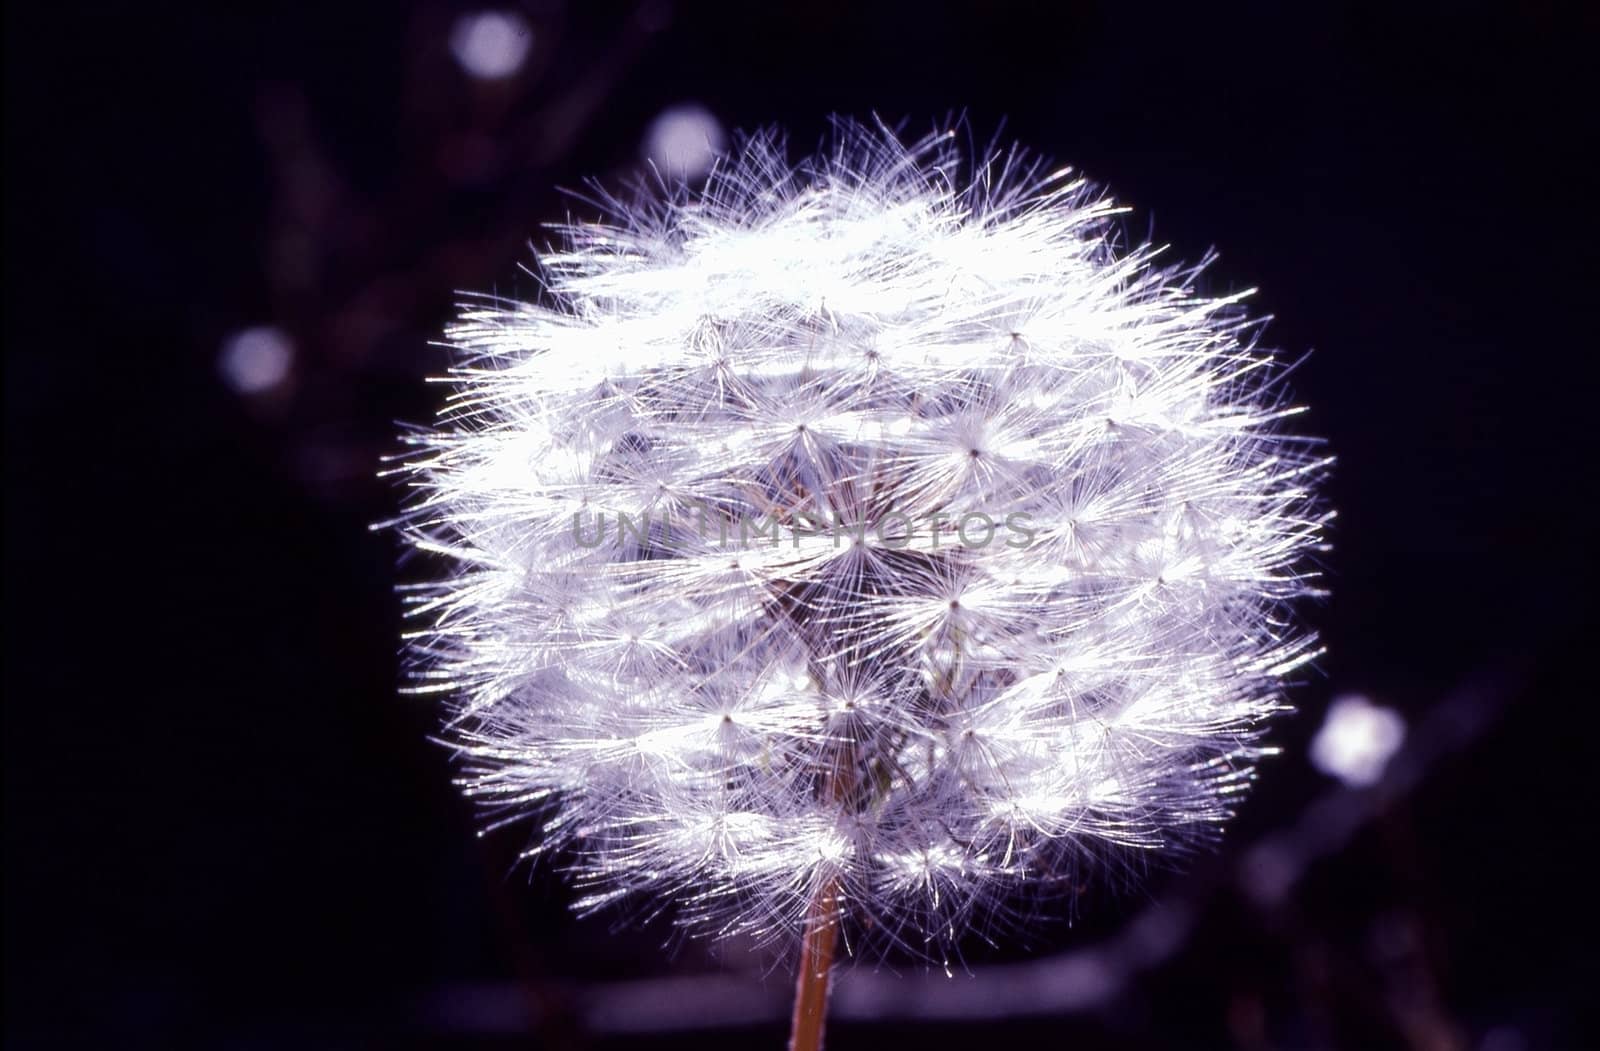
(874, 520)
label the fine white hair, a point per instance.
(876, 523)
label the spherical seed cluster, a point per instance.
(868, 531)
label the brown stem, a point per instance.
(816, 970)
(838, 787)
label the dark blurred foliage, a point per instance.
(222, 826)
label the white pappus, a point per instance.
(871, 530)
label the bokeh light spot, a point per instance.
(255, 360)
(684, 141)
(491, 45)
(1356, 740)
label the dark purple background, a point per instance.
(224, 829)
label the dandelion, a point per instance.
(853, 551)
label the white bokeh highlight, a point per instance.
(255, 360)
(684, 141)
(491, 45)
(1357, 740)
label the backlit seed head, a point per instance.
(872, 522)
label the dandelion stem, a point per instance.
(816, 970)
(821, 936)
